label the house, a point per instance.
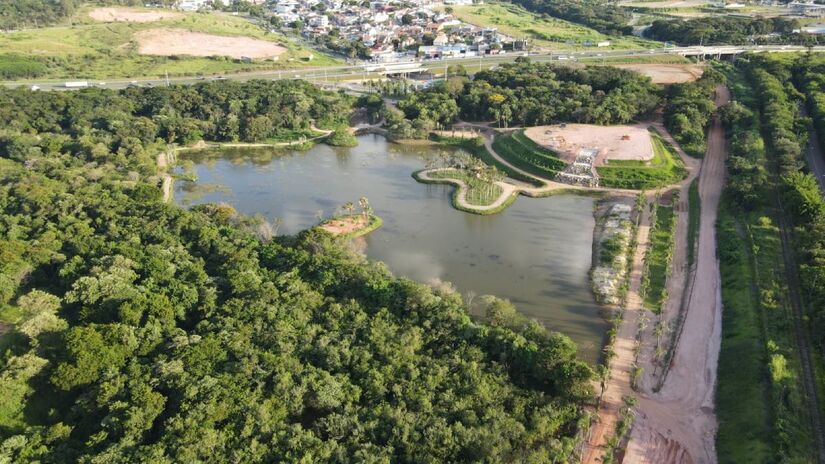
(441, 40)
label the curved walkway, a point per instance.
(549, 187)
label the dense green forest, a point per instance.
(603, 16)
(528, 93)
(688, 110)
(715, 30)
(107, 123)
(143, 332)
(19, 14)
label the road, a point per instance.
(678, 424)
(333, 74)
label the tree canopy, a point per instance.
(150, 333)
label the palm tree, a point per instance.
(349, 207)
(364, 203)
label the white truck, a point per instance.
(76, 84)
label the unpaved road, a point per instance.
(678, 424)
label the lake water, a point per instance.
(537, 253)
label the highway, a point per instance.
(332, 74)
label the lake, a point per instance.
(537, 253)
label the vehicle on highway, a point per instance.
(76, 84)
(35, 88)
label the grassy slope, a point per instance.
(96, 50)
(515, 21)
(665, 168)
(524, 154)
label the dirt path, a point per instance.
(621, 366)
(678, 424)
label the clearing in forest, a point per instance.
(667, 73)
(617, 143)
(131, 15)
(170, 42)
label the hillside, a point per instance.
(125, 46)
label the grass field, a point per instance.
(95, 50)
(664, 169)
(543, 31)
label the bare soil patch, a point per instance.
(345, 224)
(131, 15)
(168, 42)
(667, 73)
(612, 142)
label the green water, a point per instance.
(537, 253)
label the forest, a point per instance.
(688, 110)
(529, 94)
(19, 14)
(138, 331)
(107, 123)
(725, 30)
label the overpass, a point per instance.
(337, 74)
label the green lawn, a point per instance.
(543, 31)
(657, 260)
(479, 192)
(664, 169)
(94, 50)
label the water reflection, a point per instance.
(536, 253)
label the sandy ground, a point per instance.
(667, 73)
(613, 142)
(345, 225)
(678, 424)
(130, 15)
(167, 42)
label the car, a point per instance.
(35, 88)
(101, 84)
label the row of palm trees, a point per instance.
(363, 203)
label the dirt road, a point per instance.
(678, 424)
